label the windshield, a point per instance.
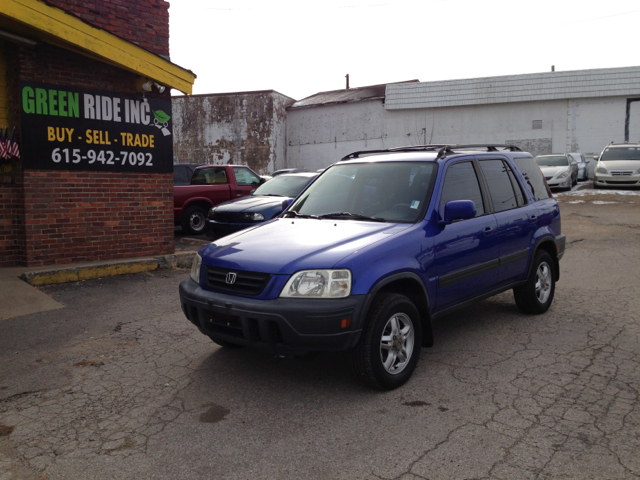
(389, 191)
(621, 153)
(552, 161)
(283, 186)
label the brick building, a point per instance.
(85, 84)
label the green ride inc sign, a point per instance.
(69, 128)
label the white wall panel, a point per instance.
(319, 136)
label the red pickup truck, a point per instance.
(210, 186)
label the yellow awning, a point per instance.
(53, 25)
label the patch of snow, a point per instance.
(584, 192)
(601, 202)
(576, 201)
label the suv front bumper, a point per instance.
(284, 325)
(617, 180)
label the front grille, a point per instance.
(246, 283)
(621, 182)
(225, 217)
(619, 173)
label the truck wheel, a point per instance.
(536, 295)
(388, 350)
(193, 220)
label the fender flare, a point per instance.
(559, 242)
(425, 311)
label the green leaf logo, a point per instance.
(161, 116)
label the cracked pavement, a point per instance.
(119, 384)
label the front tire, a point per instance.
(536, 295)
(194, 220)
(389, 348)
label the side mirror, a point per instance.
(587, 160)
(456, 210)
(262, 180)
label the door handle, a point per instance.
(487, 231)
(533, 218)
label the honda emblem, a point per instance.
(231, 278)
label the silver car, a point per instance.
(618, 166)
(560, 170)
(583, 174)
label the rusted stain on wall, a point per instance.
(236, 128)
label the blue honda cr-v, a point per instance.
(377, 247)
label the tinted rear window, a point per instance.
(532, 174)
(209, 176)
(496, 173)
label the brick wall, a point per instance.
(83, 216)
(53, 216)
(12, 241)
(50, 64)
(144, 22)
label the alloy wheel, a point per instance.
(397, 343)
(543, 282)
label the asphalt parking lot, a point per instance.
(119, 385)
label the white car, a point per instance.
(559, 170)
(618, 166)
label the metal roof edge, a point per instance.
(543, 86)
(327, 104)
(248, 92)
(563, 73)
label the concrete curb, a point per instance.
(77, 273)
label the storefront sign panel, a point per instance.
(69, 128)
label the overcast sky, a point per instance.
(301, 48)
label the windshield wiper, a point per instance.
(354, 216)
(299, 215)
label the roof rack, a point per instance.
(443, 149)
(491, 147)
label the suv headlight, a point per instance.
(251, 217)
(318, 284)
(195, 268)
(601, 170)
(564, 174)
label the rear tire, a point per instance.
(536, 295)
(194, 220)
(389, 348)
